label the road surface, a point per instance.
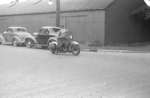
(36, 73)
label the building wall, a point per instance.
(32, 22)
(121, 26)
(85, 25)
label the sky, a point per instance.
(147, 2)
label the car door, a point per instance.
(10, 34)
(43, 36)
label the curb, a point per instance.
(90, 49)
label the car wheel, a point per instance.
(2, 40)
(52, 48)
(15, 43)
(29, 43)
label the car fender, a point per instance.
(54, 42)
(17, 38)
(2, 39)
(31, 38)
(52, 39)
(74, 43)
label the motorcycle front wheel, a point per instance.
(76, 50)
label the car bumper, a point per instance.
(21, 42)
(37, 45)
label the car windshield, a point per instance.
(56, 29)
(44, 31)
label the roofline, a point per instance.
(49, 27)
(109, 5)
(53, 12)
(16, 27)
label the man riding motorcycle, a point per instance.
(63, 43)
(64, 39)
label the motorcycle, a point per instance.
(62, 45)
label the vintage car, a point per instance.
(40, 38)
(15, 36)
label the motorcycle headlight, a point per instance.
(71, 37)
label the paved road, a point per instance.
(36, 73)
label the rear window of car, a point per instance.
(21, 30)
(9, 30)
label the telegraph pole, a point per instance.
(57, 13)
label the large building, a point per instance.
(105, 22)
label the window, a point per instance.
(44, 31)
(9, 30)
(21, 30)
(56, 29)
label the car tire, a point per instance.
(29, 43)
(52, 48)
(15, 43)
(2, 40)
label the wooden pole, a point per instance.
(57, 13)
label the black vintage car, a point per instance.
(40, 38)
